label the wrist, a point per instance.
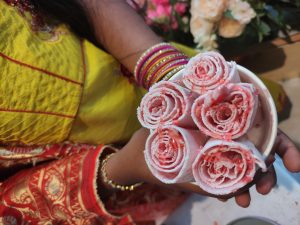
(118, 171)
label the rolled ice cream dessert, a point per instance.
(222, 167)
(166, 103)
(208, 126)
(170, 152)
(208, 71)
(227, 112)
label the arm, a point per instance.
(123, 33)
(120, 30)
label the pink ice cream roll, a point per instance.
(223, 167)
(227, 112)
(167, 103)
(207, 71)
(170, 152)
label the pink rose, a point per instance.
(180, 8)
(161, 2)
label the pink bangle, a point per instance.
(157, 62)
(169, 69)
(147, 54)
(152, 62)
(167, 64)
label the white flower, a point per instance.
(211, 10)
(200, 27)
(229, 28)
(241, 11)
(207, 42)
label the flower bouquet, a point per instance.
(227, 25)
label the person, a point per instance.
(69, 134)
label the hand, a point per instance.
(128, 166)
(290, 155)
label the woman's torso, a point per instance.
(60, 88)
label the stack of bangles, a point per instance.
(160, 62)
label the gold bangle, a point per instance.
(110, 182)
(146, 53)
(173, 72)
(154, 58)
(156, 66)
(170, 68)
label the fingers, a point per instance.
(267, 181)
(270, 160)
(193, 188)
(288, 151)
(243, 199)
(222, 199)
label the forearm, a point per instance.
(120, 30)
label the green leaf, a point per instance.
(228, 14)
(260, 37)
(264, 28)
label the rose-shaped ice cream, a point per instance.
(166, 103)
(223, 167)
(227, 112)
(170, 152)
(207, 71)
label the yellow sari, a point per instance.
(61, 88)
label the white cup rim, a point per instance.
(270, 101)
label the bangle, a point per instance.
(153, 61)
(170, 66)
(110, 182)
(156, 62)
(148, 53)
(159, 65)
(173, 72)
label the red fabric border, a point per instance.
(88, 183)
(90, 199)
